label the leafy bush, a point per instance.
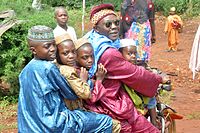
(187, 7)
(77, 4)
(14, 52)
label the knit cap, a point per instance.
(40, 33)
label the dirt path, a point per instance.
(186, 98)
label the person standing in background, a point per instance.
(172, 26)
(62, 27)
(137, 23)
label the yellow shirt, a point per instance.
(81, 89)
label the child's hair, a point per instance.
(59, 8)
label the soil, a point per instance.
(186, 98)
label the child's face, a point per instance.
(43, 50)
(61, 17)
(67, 53)
(85, 56)
(129, 53)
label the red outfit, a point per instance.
(114, 101)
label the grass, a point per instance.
(166, 96)
(8, 126)
(194, 116)
(8, 115)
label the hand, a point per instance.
(101, 72)
(153, 39)
(84, 74)
(165, 78)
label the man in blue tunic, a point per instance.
(42, 90)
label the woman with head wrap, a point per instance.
(137, 23)
(104, 38)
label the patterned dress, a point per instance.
(141, 33)
(135, 24)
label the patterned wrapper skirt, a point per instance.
(141, 33)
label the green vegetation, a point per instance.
(194, 115)
(14, 53)
(187, 7)
(165, 96)
(8, 116)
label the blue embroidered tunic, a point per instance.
(41, 107)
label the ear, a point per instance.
(96, 28)
(33, 50)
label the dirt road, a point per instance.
(186, 98)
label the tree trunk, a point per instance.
(37, 4)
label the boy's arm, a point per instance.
(97, 92)
(99, 89)
(166, 26)
(59, 83)
(81, 88)
(74, 34)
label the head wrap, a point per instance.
(97, 13)
(127, 42)
(172, 9)
(80, 42)
(99, 43)
(62, 38)
(40, 33)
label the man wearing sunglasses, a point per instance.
(104, 38)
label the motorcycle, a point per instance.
(166, 115)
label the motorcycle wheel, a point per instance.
(170, 124)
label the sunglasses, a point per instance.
(108, 24)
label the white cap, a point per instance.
(172, 9)
(127, 42)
